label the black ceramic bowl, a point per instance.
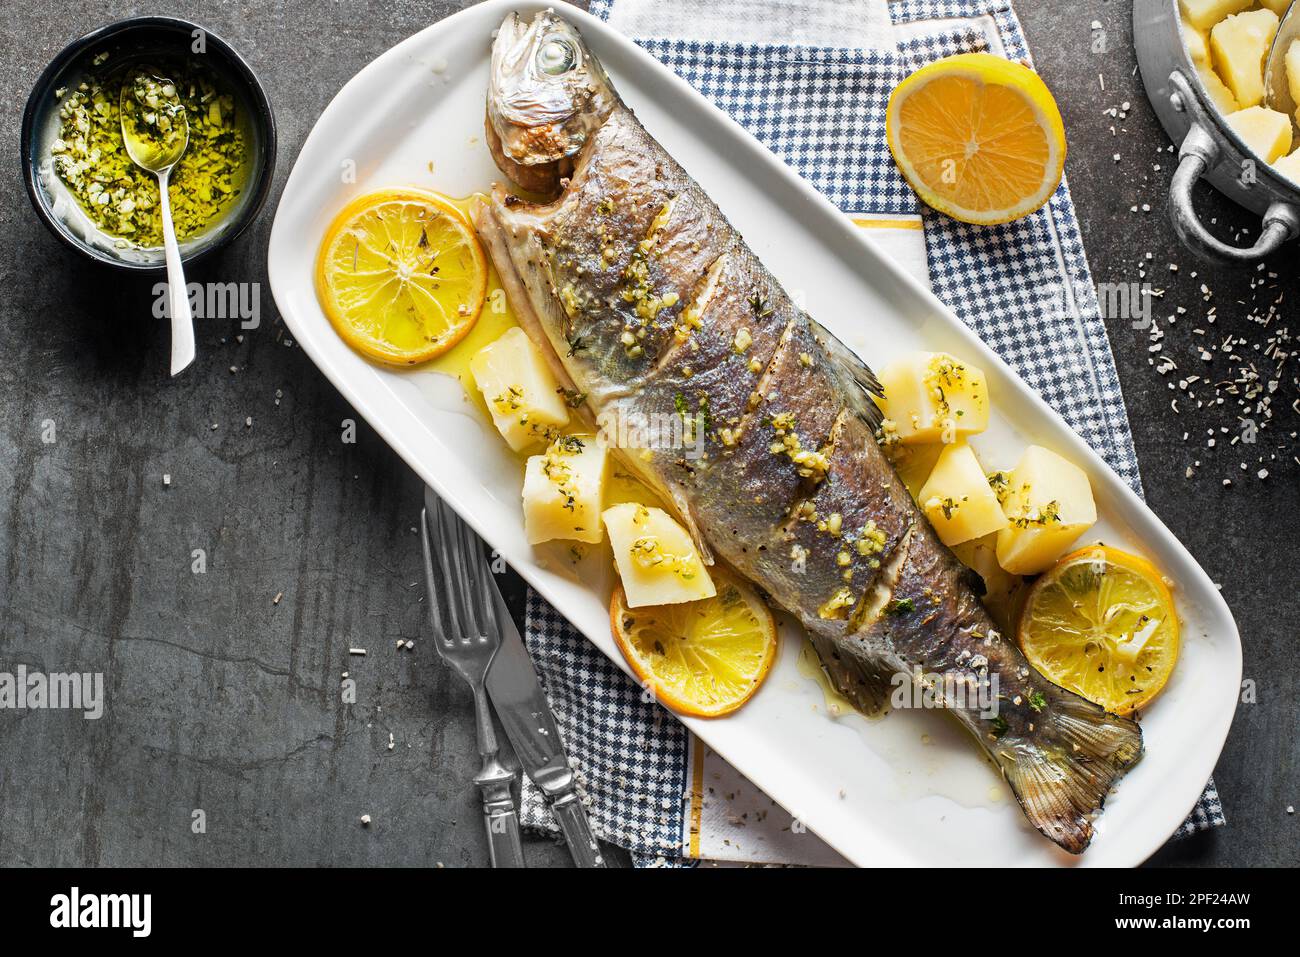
(145, 39)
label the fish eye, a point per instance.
(556, 56)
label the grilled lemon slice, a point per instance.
(1102, 623)
(703, 658)
(401, 275)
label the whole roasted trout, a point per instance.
(647, 302)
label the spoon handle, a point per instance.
(177, 294)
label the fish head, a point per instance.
(547, 94)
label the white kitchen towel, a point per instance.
(1024, 287)
(863, 24)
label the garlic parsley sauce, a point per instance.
(153, 119)
(119, 197)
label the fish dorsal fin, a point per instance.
(860, 385)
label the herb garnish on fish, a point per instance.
(683, 297)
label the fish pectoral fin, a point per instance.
(494, 236)
(683, 508)
(1062, 771)
(859, 383)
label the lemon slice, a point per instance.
(1101, 622)
(401, 275)
(703, 658)
(978, 137)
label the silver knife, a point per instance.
(526, 716)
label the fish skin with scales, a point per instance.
(644, 298)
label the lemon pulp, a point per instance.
(1102, 623)
(978, 137)
(703, 657)
(401, 275)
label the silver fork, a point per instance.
(465, 624)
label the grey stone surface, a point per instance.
(225, 700)
(1244, 535)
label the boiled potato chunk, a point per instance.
(1238, 47)
(1289, 166)
(564, 490)
(1266, 132)
(957, 498)
(934, 397)
(1203, 14)
(1277, 6)
(521, 393)
(1221, 96)
(656, 558)
(1198, 45)
(1291, 61)
(1048, 503)
(914, 463)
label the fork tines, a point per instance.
(465, 611)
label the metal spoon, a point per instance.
(156, 131)
(1277, 92)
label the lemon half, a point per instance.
(978, 137)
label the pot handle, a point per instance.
(1199, 152)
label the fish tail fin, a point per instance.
(860, 384)
(1063, 771)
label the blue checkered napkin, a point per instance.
(996, 277)
(628, 754)
(1024, 287)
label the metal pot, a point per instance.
(1210, 148)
